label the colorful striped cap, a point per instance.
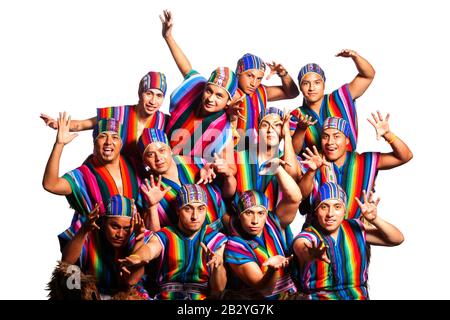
(330, 191)
(224, 78)
(190, 193)
(248, 62)
(107, 125)
(120, 206)
(337, 123)
(311, 67)
(250, 199)
(153, 80)
(150, 135)
(273, 110)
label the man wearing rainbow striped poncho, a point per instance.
(133, 118)
(307, 120)
(103, 239)
(189, 255)
(258, 249)
(331, 254)
(353, 171)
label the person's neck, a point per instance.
(189, 234)
(315, 106)
(201, 112)
(340, 161)
(267, 152)
(111, 165)
(172, 172)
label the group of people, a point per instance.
(199, 203)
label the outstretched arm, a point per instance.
(75, 125)
(289, 153)
(218, 275)
(178, 55)
(298, 137)
(288, 88)
(314, 161)
(381, 233)
(365, 75)
(305, 251)
(51, 181)
(400, 151)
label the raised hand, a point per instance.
(153, 192)
(277, 262)
(271, 167)
(207, 174)
(381, 126)
(276, 68)
(318, 252)
(49, 121)
(313, 159)
(305, 121)
(137, 224)
(130, 262)
(234, 109)
(64, 136)
(214, 260)
(221, 166)
(92, 217)
(167, 23)
(369, 207)
(346, 53)
(286, 130)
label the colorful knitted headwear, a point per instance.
(107, 125)
(271, 111)
(150, 135)
(337, 123)
(190, 193)
(224, 78)
(249, 62)
(250, 199)
(330, 191)
(153, 80)
(120, 206)
(311, 67)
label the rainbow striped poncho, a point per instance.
(254, 106)
(188, 173)
(91, 184)
(128, 117)
(346, 276)
(183, 262)
(339, 104)
(273, 241)
(190, 134)
(97, 258)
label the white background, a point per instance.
(80, 55)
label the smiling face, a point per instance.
(117, 230)
(158, 156)
(334, 144)
(270, 130)
(253, 220)
(250, 80)
(191, 217)
(312, 87)
(151, 100)
(107, 146)
(330, 214)
(214, 99)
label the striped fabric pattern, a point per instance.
(330, 191)
(183, 260)
(311, 67)
(259, 249)
(224, 78)
(248, 62)
(337, 104)
(128, 117)
(346, 276)
(250, 199)
(336, 123)
(190, 193)
(153, 80)
(120, 206)
(107, 125)
(190, 134)
(150, 135)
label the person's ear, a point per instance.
(347, 141)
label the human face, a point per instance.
(330, 215)
(334, 144)
(214, 98)
(312, 87)
(270, 130)
(250, 80)
(253, 220)
(117, 230)
(151, 100)
(191, 217)
(158, 156)
(107, 146)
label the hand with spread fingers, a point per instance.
(271, 167)
(64, 136)
(276, 68)
(90, 223)
(49, 121)
(347, 53)
(286, 130)
(153, 192)
(314, 160)
(207, 174)
(167, 23)
(137, 224)
(277, 262)
(131, 262)
(214, 260)
(305, 121)
(369, 207)
(381, 125)
(234, 109)
(318, 252)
